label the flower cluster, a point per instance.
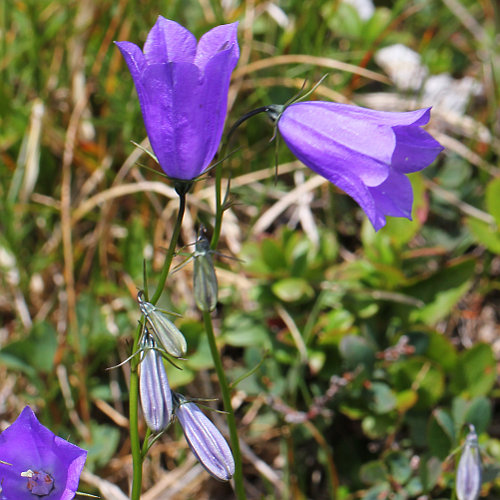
(182, 87)
(160, 405)
(36, 463)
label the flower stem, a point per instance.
(219, 209)
(226, 399)
(171, 249)
(135, 443)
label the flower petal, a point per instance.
(218, 39)
(168, 41)
(134, 58)
(326, 139)
(415, 149)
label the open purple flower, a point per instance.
(205, 440)
(182, 88)
(43, 465)
(364, 152)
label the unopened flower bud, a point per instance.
(205, 440)
(204, 278)
(166, 334)
(468, 482)
(154, 389)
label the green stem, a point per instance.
(135, 443)
(226, 399)
(218, 202)
(171, 249)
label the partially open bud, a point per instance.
(204, 439)
(166, 334)
(154, 389)
(204, 278)
(468, 482)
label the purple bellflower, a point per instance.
(365, 153)
(182, 88)
(468, 481)
(42, 465)
(154, 389)
(204, 439)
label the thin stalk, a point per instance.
(219, 209)
(226, 399)
(135, 442)
(171, 249)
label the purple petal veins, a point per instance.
(154, 389)
(43, 465)
(205, 440)
(182, 88)
(363, 152)
(468, 482)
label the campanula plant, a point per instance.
(182, 88)
(36, 463)
(364, 152)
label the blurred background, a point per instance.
(367, 353)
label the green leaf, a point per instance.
(484, 234)
(38, 350)
(103, 445)
(357, 351)
(441, 434)
(383, 399)
(373, 472)
(429, 472)
(493, 199)
(293, 290)
(441, 291)
(421, 375)
(475, 372)
(399, 466)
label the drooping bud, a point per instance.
(166, 334)
(154, 389)
(468, 481)
(204, 439)
(204, 279)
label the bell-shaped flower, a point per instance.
(182, 87)
(166, 334)
(204, 439)
(36, 463)
(154, 389)
(365, 153)
(468, 481)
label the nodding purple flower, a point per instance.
(365, 153)
(41, 464)
(182, 87)
(468, 481)
(154, 389)
(204, 439)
